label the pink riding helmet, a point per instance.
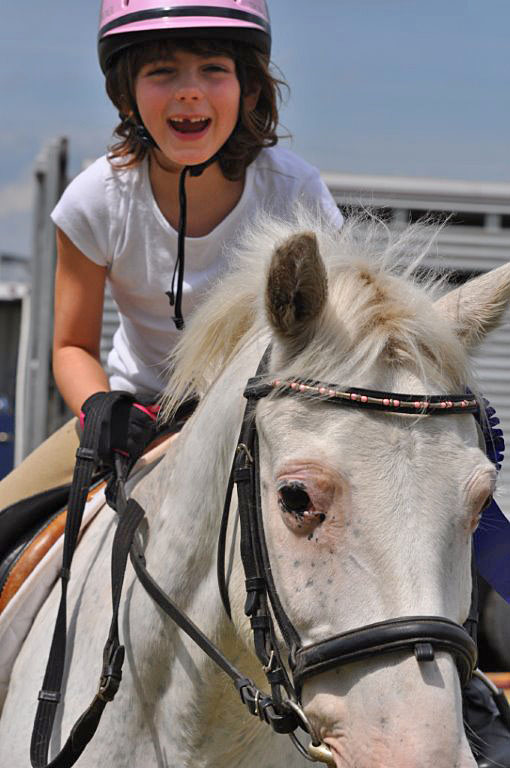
(123, 23)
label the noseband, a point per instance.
(421, 636)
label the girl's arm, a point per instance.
(79, 296)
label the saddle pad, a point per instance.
(20, 612)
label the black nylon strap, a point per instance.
(113, 654)
(49, 695)
(175, 293)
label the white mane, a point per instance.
(378, 306)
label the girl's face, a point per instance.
(189, 104)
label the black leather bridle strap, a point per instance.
(245, 473)
(222, 543)
(258, 703)
(421, 635)
(287, 629)
(170, 608)
(370, 399)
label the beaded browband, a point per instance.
(432, 405)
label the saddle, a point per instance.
(28, 530)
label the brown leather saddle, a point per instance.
(28, 530)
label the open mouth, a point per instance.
(189, 125)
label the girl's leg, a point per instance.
(49, 466)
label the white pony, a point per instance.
(392, 503)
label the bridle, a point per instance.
(421, 636)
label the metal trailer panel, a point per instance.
(39, 404)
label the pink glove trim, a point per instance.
(151, 410)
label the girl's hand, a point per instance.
(127, 427)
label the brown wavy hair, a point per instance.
(255, 129)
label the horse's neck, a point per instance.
(184, 500)
(184, 496)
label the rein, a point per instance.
(420, 636)
(124, 544)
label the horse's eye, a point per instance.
(293, 498)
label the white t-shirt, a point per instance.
(113, 218)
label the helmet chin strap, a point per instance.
(175, 293)
(143, 137)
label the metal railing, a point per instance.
(39, 407)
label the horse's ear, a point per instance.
(476, 307)
(297, 288)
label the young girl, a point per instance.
(198, 110)
(196, 159)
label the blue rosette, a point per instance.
(492, 537)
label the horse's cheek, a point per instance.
(305, 563)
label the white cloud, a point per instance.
(16, 197)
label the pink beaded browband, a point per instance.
(432, 405)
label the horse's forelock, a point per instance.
(378, 307)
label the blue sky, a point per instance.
(398, 87)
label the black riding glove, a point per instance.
(126, 426)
